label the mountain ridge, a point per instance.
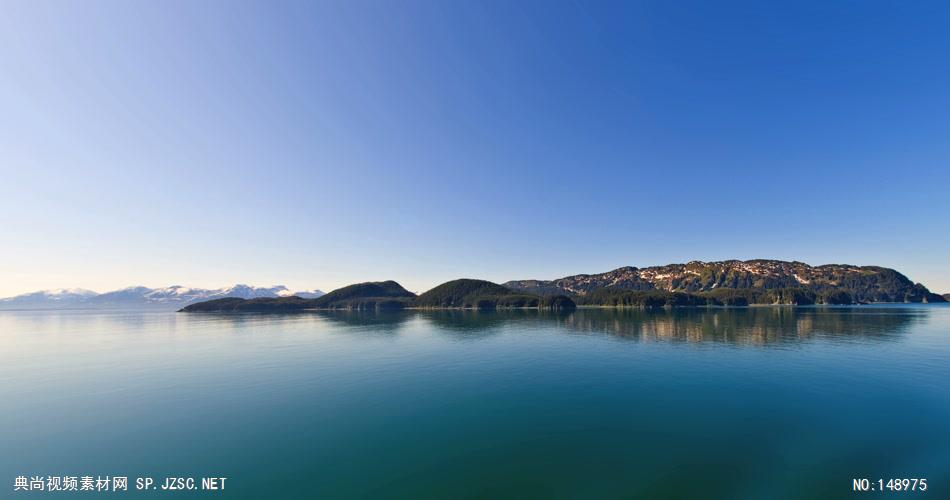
(862, 283)
(174, 296)
(390, 295)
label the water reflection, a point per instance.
(751, 326)
(446, 399)
(754, 325)
(361, 321)
(474, 322)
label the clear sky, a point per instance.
(318, 144)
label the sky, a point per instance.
(318, 144)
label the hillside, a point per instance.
(480, 294)
(753, 280)
(371, 295)
(460, 293)
(261, 304)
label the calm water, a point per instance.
(726, 403)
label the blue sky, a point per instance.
(320, 144)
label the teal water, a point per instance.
(772, 402)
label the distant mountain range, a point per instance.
(173, 297)
(861, 284)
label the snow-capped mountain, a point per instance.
(57, 297)
(172, 297)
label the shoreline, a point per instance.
(567, 310)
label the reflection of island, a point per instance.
(752, 326)
(379, 321)
(756, 325)
(741, 326)
(481, 322)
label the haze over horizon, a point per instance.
(315, 145)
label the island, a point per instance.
(377, 295)
(480, 294)
(732, 283)
(735, 282)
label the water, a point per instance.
(772, 402)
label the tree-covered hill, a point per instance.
(464, 293)
(370, 295)
(460, 293)
(235, 304)
(481, 294)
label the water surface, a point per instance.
(765, 402)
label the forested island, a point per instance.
(725, 283)
(457, 294)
